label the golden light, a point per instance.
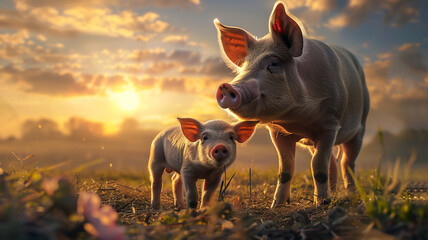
(127, 100)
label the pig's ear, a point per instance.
(234, 42)
(244, 130)
(190, 128)
(284, 28)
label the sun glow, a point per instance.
(127, 100)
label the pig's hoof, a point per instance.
(277, 203)
(351, 189)
(193, 204)
(322, 201)
(180, 206)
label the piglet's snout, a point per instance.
(228, 96)
(220, 152)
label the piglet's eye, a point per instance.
(231, 138)
(205, 138)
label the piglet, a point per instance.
(194, 151)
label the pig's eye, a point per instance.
(205, 138)
(231, 138)
(272, 66)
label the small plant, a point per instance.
(224, 186)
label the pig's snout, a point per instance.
(228, 96)
(220, 152)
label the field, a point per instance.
(41, 204)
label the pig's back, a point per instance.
(173, 142)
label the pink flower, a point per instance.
(50, 185)
(101, 220)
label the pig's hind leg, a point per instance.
(320, 163)
(332, 170)
(351, 150)
(156, 168)
(177, 190)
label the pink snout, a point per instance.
(220, 152)
(228, 96)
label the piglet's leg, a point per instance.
(191, 191)
(210, 186)
(286, 148)
(177, 190)
(156, 182)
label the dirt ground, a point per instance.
(131, 199)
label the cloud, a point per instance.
(180, 40)
(41, 37)
(52, 82)
(377, 72)
(142, 83)
(82, 20)
(212, 66)
(411, 55)
(14, 39)
(315, 5)
(395, 13)
(384, 55)
(24, 4)
(185, 56)
(22, 20)
(173, 83)
(398, 94)
(162, 67)
(17, 48)
(387, 79)
(147, 54)
(40, 81)
(128, 68)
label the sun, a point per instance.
(127, 100)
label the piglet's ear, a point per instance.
(190, 128)
(285, 29)
(244, 130)
(235, 43)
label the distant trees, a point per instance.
(40, 129)
(82, 129)
(46, 129)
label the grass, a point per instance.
(29, 211)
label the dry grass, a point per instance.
(344, 217)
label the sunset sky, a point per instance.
(107, 60)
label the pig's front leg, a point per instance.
(286, 148)
(191, 190)
(320, 164)
(210, 186)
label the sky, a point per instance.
(108, 60)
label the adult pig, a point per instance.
(306, 92)
(195, 151)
